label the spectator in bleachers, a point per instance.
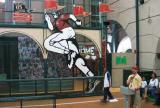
(153, 85)
(143, 87)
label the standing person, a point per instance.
(153, 85)
(63, 41)
(134, 82)
(107, 84)
(143, 87)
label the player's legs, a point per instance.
(80, 63)
(59, 47)
(73, 47)
(66, 47)
(68, 33)
(61, 38)
(71, 57)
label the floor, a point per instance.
(82, 102)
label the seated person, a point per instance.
(143, 87)
(153, 85)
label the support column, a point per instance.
(45, 75)
(101, 27)
(137, 32)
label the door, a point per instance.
(9, 57)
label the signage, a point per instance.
(20, 7)
(121, 60)
(21, 17)
(20, 13)
(89, 51)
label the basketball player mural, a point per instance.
(63, 42)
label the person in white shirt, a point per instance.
(107, 84)
(143, 87)
(153, 85)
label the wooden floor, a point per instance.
(82, 102)
(94, 102)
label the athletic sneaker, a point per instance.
(113, 100)
(92, 85)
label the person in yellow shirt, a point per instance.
(134, 82)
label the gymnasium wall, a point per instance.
(124, 13)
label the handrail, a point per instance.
(59, 86)
(6, 99)
(27, 98)
(33, 24)
(45, 79)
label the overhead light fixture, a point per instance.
(2, 1)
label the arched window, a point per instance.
(124, 45)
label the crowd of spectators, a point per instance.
(30, 65)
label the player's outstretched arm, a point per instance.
(78, 22)
(47, 18)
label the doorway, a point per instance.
(9, 57)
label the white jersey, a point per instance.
(107, 79)
(143, 84)
(153, 82)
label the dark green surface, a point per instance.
(23, 25)
(36, 86)
(38, 25)
(58, 86)
(3, 76)
(7, 99)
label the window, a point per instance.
(124, 45)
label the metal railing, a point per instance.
(22, 99)
(57, 86)
(37, 12)
(38, 21)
